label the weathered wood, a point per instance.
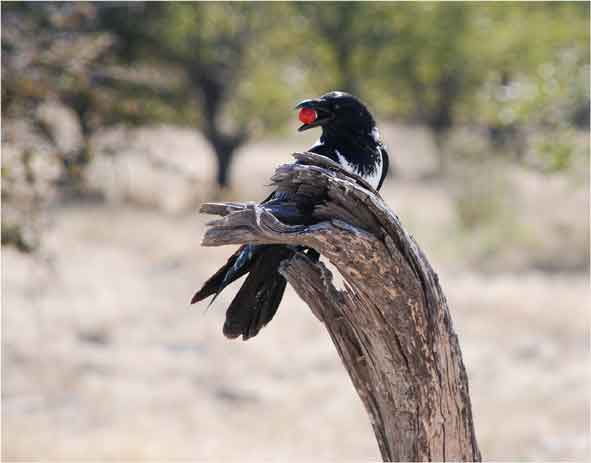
(391, 325)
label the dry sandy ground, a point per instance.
(103, 358)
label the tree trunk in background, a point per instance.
(391, 325)
(347, 79)
(225, 147)
(224, 160)
(212, 94)
(440, 138)
(441, 118)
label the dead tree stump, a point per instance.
(391, 325)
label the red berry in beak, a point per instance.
(307, 115)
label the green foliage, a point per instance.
(235, 69)
(507, 67)
(331, 37)
(224, 53)
(230, 80)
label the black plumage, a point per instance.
(349, 137)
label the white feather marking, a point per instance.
(346, 164)
(373, 178)
(375, 133)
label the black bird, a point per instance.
(349, 137)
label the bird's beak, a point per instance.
(322, 108)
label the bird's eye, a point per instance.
(337, 106)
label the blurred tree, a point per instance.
(335, 32)
(58, 74)
(233, 68)
(438, 58)
(424, 64)
(336, 43)
(225, 54)
(49, 51)
(538, 79)
(49, 54)
(54, 99)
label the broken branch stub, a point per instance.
(391, 325)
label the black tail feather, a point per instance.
(222, 278)
(257, 301)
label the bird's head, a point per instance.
(335, 111)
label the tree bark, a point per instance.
(391, 325)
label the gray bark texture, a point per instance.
(391, 324)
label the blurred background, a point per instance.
(119, 119)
